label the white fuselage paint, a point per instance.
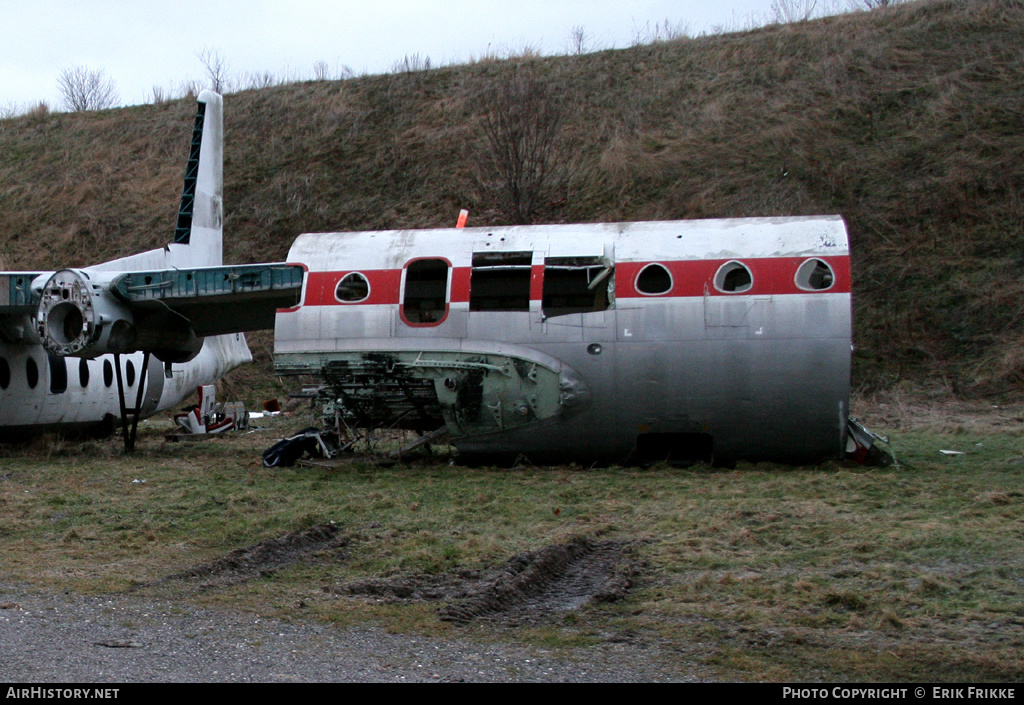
(762, 370)
(87, 399)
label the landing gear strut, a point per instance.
(130, 427)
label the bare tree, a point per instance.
(321, 72)
(216, 69)
(82, 88)
(579, 40)
(522, 123)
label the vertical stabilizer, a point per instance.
(200, 213)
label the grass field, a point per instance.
(763, 572)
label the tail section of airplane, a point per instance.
(198, 234)
(201, 212)
(178, 304)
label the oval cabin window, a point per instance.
(31, 373)
(353, 288)
(654, 280)
(733, 278)
(815, 275)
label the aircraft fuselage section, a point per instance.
(718, 339)
(44, 392)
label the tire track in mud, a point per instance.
(555, 579)
(531, 586)
(260, 559)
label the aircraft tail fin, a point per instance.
(200, 212)
(198, 235)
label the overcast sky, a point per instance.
(140, 44)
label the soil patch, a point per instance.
(530, 587)
(553, 580)
(262, 559)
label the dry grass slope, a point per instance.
(907, 120)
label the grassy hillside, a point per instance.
(907, 120)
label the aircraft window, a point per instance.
(733, 278)
(814, 275)
(654, 279)
(83, 372)
(5, 373)
(129, 369)
(353, 288)
(58, 374)
(31, 373)
(426, 291)
(500, 281)
(108, 373)
(576, 285)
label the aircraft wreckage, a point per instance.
(693, 341)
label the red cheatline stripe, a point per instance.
(771, 275)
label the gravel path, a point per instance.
(126, 639)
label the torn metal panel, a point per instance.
(470, 393)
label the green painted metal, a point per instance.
(183, 228)
(16, 295)
(471, 393)
(183, 284)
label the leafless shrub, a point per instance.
(259, 79)
(871, 4)
(82, 88)
(216, 69)
(39, 111)
(190, 88)
(9, 110)
(522, 123)
(321, 72)
(790, 11)
(159, 95)
(579, 41)
(411, 63)
(663, 31)
(526, 51)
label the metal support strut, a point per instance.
(130, 432)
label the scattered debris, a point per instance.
(209, 417)
(424, 440)
(311, 441)
(861, 446)
(951, 452)
(118, 644)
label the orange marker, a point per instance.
(463, 217)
